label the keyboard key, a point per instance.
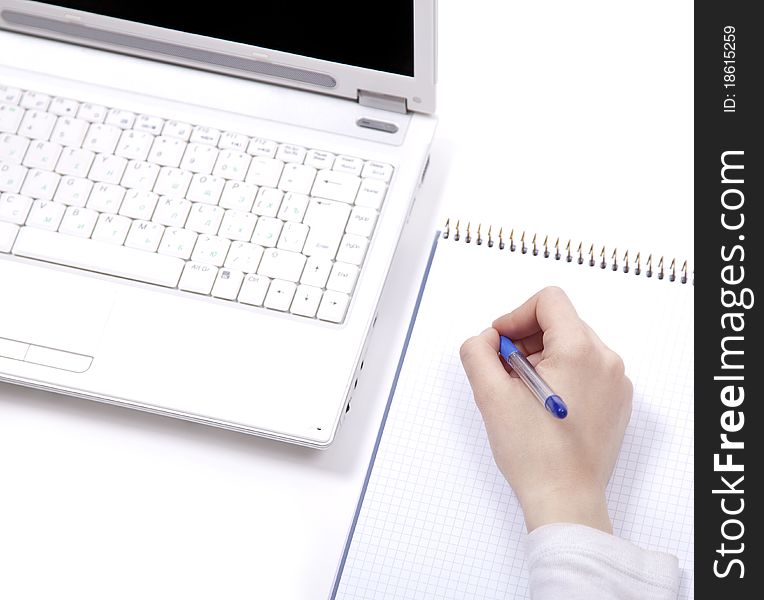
(232, 164)
(371, 193)
(290, 153)
(199, 158)
(145, 236)
(377, 170)
(349, 165)
(172, 212)
(267, 232)
(205, 135)
(120, 118)
(227, 284)
(42, 155)
(12, 148)
(172, 182)
(238, 225)
(197, 278)
(140, 175)
(45, 214)
(134, 145)
(107, 198)
(35, 100)
(178, 242)
(75, 162)
(178, 130)
(8, 233)
(211, 250)
(282, 264)
(293, 237)
(327, 222)
(333, 306)
(262, 147)
(14, 208)
(63, 107)
(10, 95)
(70, 131)
(333, 185)
(98, 256)
(205, 188)
(316, 272)
(267, 202)
(37, 125)
(253, 289)
(280, 294)
(111, 229)
(352, 249)
(148, 124)
(167, 151)
(233, 141)
(93, 113)
(297, 178)
(138, 204)
(342, 277)
(204, 218)
(238, 195)
(10, 118)
(319, 159)
(306, 300)
(265, 171)
(362, 221)
(108, 168)
(11, 177)
(102, 138)
(244, 257)
(38, 184)
(78, 221)
(73, 191)
(293, 207)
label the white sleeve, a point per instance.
(576, 562)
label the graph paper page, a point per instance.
(438, 520)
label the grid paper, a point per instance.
(438, 520)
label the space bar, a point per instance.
(90, 255)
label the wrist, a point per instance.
(577, 505)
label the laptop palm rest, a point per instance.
(50, 317)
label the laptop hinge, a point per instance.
(382, 101)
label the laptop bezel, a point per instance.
(397, 91)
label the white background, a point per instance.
(572, 119)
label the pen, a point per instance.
(520, 365)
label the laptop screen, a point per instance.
(373, 35)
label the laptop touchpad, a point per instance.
(53, 311)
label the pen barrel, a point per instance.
(527, 373)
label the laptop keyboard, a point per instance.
(216, 213)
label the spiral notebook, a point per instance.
(436, 519)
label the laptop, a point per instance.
(199, 207)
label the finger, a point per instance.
(531, 344)
(482, 363)
(547, 309)
(528, 346)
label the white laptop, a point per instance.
(199, 206)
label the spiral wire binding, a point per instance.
(543, 248)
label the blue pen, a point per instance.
(520, 365)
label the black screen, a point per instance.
(375, 35)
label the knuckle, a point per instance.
(614, 362)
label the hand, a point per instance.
(558, 468)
